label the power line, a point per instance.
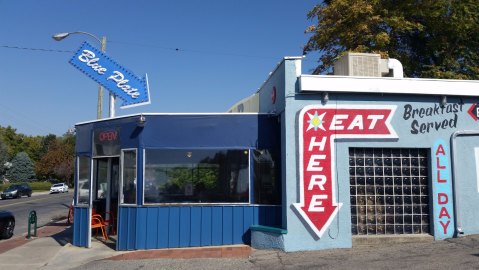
(34, 49)
(176, 49)
(145, 45)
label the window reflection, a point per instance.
(196, 176)
(266, 184)
(100, 178)
(129, 177)
(83, 190)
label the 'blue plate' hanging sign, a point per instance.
(118, 80)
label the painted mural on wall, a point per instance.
(474, 111)
(443, 208)
(319, 127)
(428, 119)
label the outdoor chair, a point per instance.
(97, 222)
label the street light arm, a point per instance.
(61, 36)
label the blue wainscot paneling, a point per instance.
(80, 226)
(191, 226)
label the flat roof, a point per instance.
(164, 114)
(388, 85)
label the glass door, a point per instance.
(106, 172)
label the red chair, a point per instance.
(97, 222)
(70, 214)
(110, 221)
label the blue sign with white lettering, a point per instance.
(121, 82)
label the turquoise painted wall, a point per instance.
(419, 121)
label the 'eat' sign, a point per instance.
(319, 127)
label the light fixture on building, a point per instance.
(325, 97)
(189, 154)
(141, 121)
(443, 101)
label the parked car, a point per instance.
(57, 188)
(7, 224)
(17, 191)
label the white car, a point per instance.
(57, 188)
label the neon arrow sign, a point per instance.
(134, 91)
(319, 127)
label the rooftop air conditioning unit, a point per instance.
(361, 64)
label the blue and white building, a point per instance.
(307, 162)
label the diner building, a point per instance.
(307, 162)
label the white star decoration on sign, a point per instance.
(316, 121)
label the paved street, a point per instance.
(460, 253)
(47, 206)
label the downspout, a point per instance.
(458, 230)
(396, 66)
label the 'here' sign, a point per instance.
(319, 127)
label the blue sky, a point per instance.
(200, 56)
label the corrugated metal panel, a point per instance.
(188, 226)
(174, 225)
(80, 226)
(217, 226)
(227, 225)
(206, 226)
(195, 226)
(132, 230)
(142, 226)
(238, 230)
(248, 219)
(163, 227)
(185, 219)
(151, 227)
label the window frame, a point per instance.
(248, 202)
(77, 190)
(122, 167)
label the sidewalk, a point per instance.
(52, 249)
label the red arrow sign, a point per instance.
(474, 111)
(319, 127)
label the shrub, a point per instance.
(36, 186)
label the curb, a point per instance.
(235, 251)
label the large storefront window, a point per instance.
(83, 190)
(266, 185)
(196, 176)
(128, 195)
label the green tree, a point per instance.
(46, 143)
(15, 142)
(22, 169)
(435, 39)
(3, 158)
(58, 161)
(33, 147)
